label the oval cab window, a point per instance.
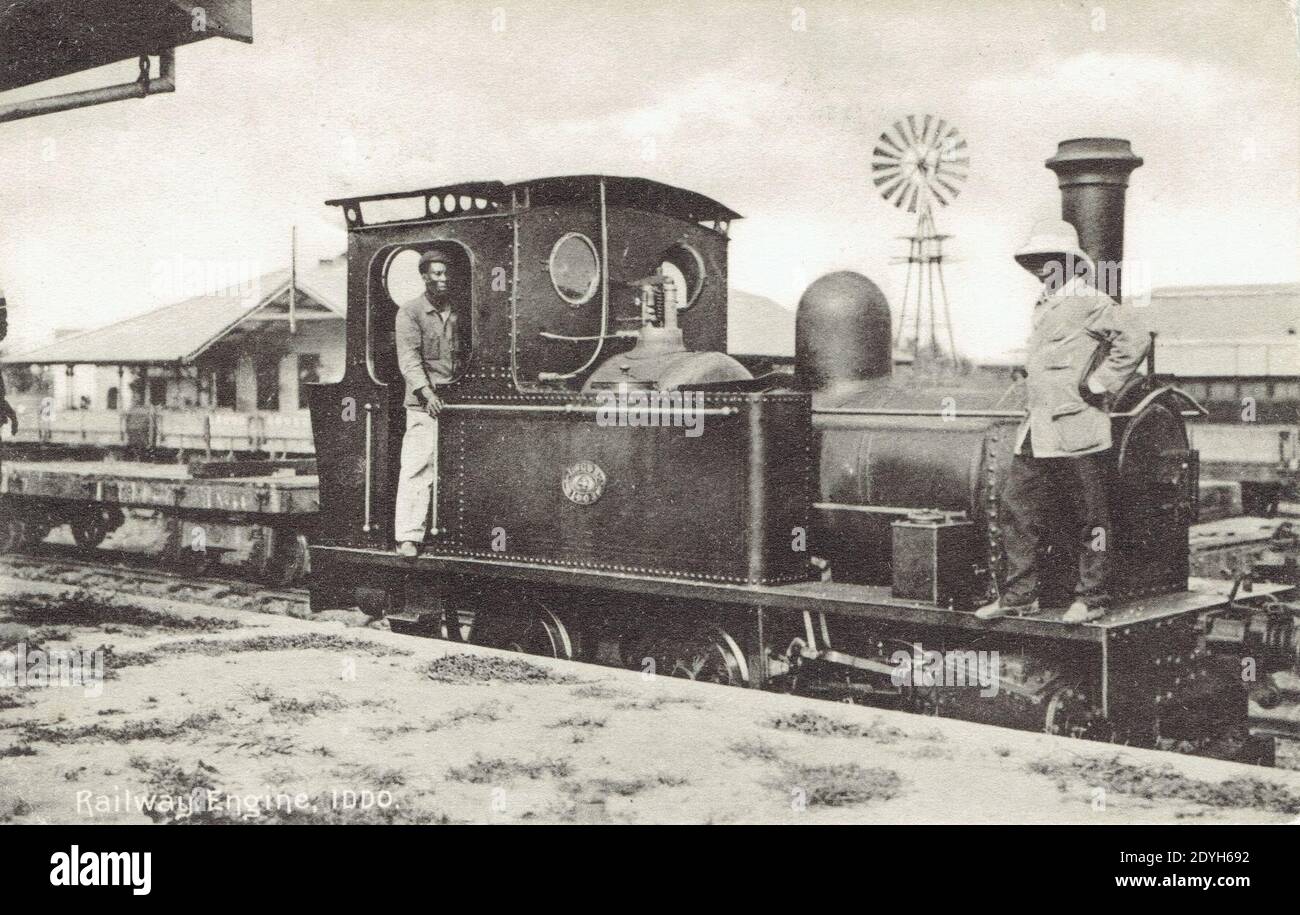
(402, 276)
(684, 269)
(575, 268)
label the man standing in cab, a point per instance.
(1082, 350)
(426, 355)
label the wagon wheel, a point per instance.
(14, 531)
(706, 653)
(289, 563)
(539, 632)
(197, 562)
(90, 528)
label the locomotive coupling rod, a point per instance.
(585, 408)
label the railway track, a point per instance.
(225, 585)
(113, 568)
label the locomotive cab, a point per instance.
(572, 295)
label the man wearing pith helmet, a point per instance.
(1081, 351)
(425, 334)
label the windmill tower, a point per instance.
(919, 167)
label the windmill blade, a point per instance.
(886, 138)
(881, 153)
(925, 129)
(888, 192)
(951, 190)
(911, 122)
(953, 174)
(902, 134)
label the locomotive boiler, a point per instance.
(612, 487)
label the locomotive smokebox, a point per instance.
(1093, 176)
(842, 332)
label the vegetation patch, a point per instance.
(498, 770)
(581, 722)
(473, 668)
(1166, 782)
(655, 703)
(290, 707)
(596, 691)
(14, 807)
(756, 748)
(483, 713)
(84, 607)
(599, 789)
(842, 784)
(299, 641)
(824, 726)
(10, 700)
(18, 749)
(149, 729)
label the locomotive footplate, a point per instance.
(851, 600)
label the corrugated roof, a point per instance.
(1269, 310)
(180, 331)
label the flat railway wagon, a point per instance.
(613, 488)
(257, 514)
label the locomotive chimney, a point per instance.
(1093, 176)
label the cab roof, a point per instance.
(468, 197)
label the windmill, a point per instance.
(919, 167)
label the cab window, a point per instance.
(396, 280)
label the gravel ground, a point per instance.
(218, 715)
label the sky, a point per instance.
(770, 108)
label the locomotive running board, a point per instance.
(864, 601)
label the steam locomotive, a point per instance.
(612, 487)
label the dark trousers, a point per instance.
(1041, 495)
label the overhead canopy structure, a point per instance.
(46, 39)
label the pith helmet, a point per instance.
(1051, 236)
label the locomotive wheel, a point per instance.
(1070, 713)
(707, 654)
(540, 632)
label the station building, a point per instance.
(221, 371)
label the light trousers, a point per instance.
(417, 483)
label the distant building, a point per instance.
(1230, 343)
(221, 351)
(217, 369)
